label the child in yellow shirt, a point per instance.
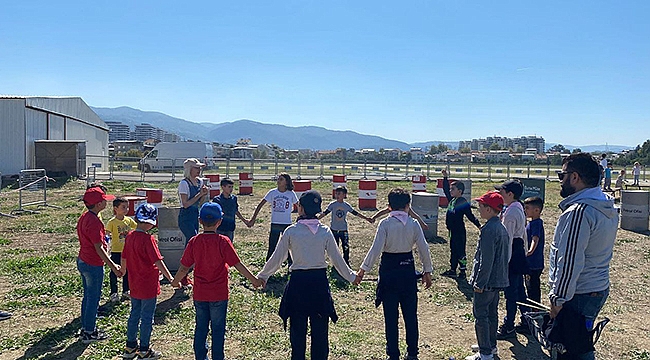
(118, 227)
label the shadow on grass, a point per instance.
(337, 280)
(275, 285)
(465, 287)
(532, 350)
(164, 308)
(51, 342)
(437, 240)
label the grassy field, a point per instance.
(40, 285)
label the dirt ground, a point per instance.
(446, 324)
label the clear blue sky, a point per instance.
(575, 72)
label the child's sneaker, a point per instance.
(126, 296)
(150, 354)
(96, 335)
(495, 350)
(504, 332)
(186, 282)
(449, 273)
(115, 298)
(130, 353)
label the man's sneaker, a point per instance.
(115, 298)
(505, 332)
(449, 273)
(96, 335)
(126, 296)
(130, 353)
(462, 274)
(150, 354)
(4, 315)
(495, 350)
(522, 328)
(479, 356)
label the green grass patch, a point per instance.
(36, 264)
(4, 241)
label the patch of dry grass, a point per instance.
(39, 283)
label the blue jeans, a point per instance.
(92, 278)
(514, 293)
(588, 305)
(210, 314)
(142, 312)
(486, 321)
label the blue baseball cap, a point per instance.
(146, 213)
(210, 212)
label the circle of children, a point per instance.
(502, 262)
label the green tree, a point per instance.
(559, 148)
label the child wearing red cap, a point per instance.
(489, 274)
(90, 262)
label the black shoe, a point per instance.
(462, 274)
(522, 328)
(449, 273)
(96, 335)
(4, 315)
(504, 332)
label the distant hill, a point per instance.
(303, 137)
(594, 148)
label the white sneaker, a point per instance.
(115, 298)
(479, 356)
(495, 350)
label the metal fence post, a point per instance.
(299, 166)
(508, 170)
(529, 171)
(469, 171)
(322, 172)
(548, 169)
(385, 168)
(489, 170)
(365, 166)
(252, 165)
(428, 168)
(228, 166)
(111, 164)
(276, 166)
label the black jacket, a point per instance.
(454, 219)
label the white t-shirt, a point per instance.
(603, 163)
(184, 188)
(281, 205)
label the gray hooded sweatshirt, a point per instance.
(582, 246)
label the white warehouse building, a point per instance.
(37, 130)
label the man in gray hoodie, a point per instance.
(583, 242)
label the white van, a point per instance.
(168, 155)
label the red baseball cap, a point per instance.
(96, 195)
(492, 199)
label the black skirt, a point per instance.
(396, 274)
(307, 294)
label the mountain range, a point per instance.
(287, 137)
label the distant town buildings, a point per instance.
(143, 132)
(518, 144)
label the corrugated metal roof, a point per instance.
(70, 106)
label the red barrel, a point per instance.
(134, 202)
(153, 196)
(245, 183)
(300, 186)
(368, 194)
(214, 183)
(419, 183)
(442, 202)
(338, 180)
